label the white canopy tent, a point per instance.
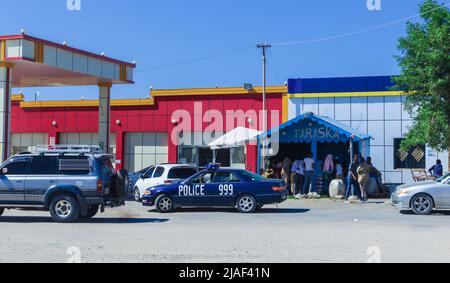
(235, 138)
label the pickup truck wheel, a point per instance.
(164, 204)
(137, 195)
(92, 211)
(64, 209)
(246, 204)
(1, 211)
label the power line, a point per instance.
(281, 44)
(187, 62)
(354, 32)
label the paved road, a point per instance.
(296, 231)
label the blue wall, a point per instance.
(351, 84)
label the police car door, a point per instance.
(222, 191)
(194, 192)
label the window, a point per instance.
(414, 158)
(158, 172)
(149, 173)
(44, 165)
(238, 155)
(252, 176)
(75, 165)
(181, 173)
(143, 171)
(204, 178)
(18, 166)
(225, 177)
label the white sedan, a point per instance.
(162, 174)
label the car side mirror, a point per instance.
(4, 171)
(142, 177)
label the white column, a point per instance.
(104, 115)
(5, 110)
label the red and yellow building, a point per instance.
(141, 129)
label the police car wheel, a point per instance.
(137, 195)
(1, 211)
(164, 204)
(246, 204)
(64, 208)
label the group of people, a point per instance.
(300, 174)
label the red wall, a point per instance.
(155, 118)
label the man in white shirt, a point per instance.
(309, 175)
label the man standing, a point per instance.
(352, 183)
(437, 170)
(298, 173)
(309, 175)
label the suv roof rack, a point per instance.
(61, 148)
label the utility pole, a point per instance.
(264, 47)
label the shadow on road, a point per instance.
(234, 211)
(435, 213)
(109, 220)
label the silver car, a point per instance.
(423, 197)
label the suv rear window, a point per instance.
(72, 165)
(181, 173)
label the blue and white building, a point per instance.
(369, 105)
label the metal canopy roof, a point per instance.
(39, 62)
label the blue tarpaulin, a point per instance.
(312, 129)
(309, 127)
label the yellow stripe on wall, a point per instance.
(38, 52)
(285, 107)
(2, 50)
(346, 94)
(123, 73)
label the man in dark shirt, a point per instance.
(352, 183)
(437, 170)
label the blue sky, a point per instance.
(165, 32)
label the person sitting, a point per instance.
(437, 171)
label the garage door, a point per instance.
(145, 149)
(21, 142)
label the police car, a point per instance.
(217, 187)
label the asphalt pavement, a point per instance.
(295, 231)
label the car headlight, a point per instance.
(403, 191)
(147, 193)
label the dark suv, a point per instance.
(71, 184)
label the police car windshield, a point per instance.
(252, 176)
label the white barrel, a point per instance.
(372, 187)
(337, 188)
